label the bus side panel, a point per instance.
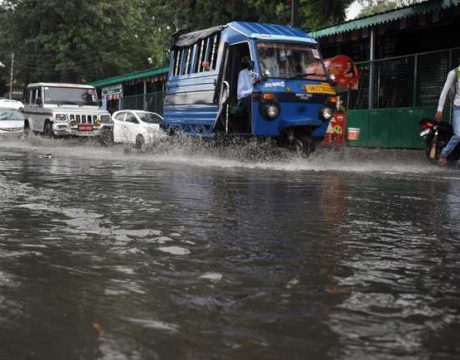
(189, 103)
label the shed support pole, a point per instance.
(144, 105)
(371, 67)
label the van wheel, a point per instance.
(26, 128)
(48, 130)
(140, 142)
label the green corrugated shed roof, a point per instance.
(422, 8)
(128, 77)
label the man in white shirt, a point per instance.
(453, 81)
(246, 79)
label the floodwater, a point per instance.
(182, 253)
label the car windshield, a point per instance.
(70, 96)
(10, 114)
(290, 61)
(149, 118)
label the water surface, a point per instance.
(186, 252)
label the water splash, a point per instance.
(237, 153)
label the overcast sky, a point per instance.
(353, 10)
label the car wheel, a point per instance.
(140, 142)
(107, 137)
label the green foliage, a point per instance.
(85, 40)
(372, 7)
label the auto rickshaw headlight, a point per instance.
(327, 113)
(273, 110)
(269, 110)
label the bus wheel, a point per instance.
(140, 142)
(48, 131)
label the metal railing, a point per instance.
(404, 81)
(149, 102)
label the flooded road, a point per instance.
(108, 253)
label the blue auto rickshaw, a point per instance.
(292, 97)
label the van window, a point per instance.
(32, 95)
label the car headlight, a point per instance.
(327, 113)
(106, 118)
(60, 117)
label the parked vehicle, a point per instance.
(289, 100)
(57, 109)
(11, 121)
(137, 127)
(436, 136)
(11, 104)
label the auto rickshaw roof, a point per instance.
(249, 29)
(270, 31)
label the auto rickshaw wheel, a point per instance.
(304, 145)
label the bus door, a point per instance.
(238, 119)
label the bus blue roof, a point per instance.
(270, 31)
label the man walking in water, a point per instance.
(452, 82)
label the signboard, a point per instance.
(112, 90)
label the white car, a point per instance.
(11, 121)
(136, 127)
(11, 104)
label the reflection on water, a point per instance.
(107, 253)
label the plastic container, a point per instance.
(353, 134)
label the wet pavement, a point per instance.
(190, 253)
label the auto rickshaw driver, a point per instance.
(246, 80)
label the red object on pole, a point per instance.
(344, 71)
(335, 130)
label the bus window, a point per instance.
(176, 65)
(199, 57)
(213, 60)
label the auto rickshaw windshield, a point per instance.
(290, 61)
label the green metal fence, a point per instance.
(405, 90)
(149, 102)
(404, 81)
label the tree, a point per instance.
(371, 7)
(85, 40)
(78, 40)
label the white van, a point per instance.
(58, 109)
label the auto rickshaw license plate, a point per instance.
(320, 89)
